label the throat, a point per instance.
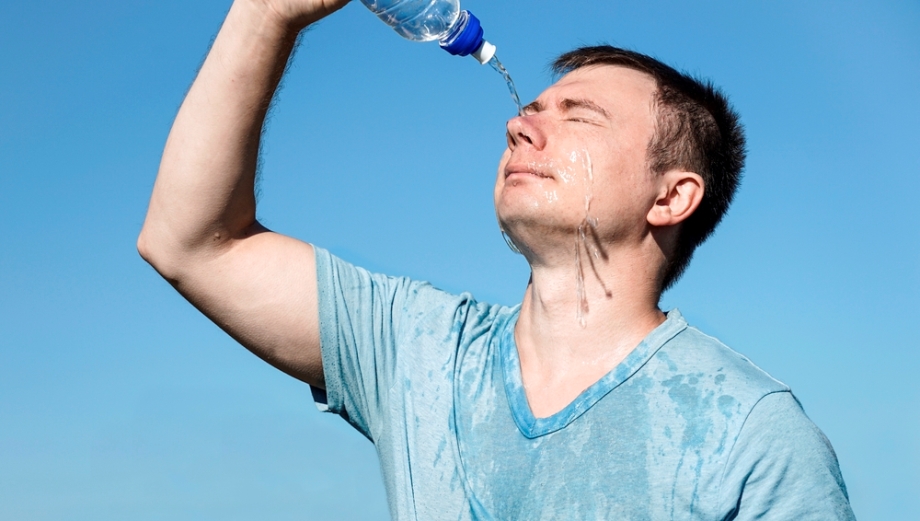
(560, 359)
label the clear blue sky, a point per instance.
(119, 401)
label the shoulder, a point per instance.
(783, 467)
(694, 355)
(771, 455)
(381, 335)
(348, 289)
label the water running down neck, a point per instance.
(587, 239)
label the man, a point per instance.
(586, 401)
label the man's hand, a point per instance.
(297, 14)
(201, 232)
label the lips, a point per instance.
(522, 169)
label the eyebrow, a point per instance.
(532, 107)
(569, 104)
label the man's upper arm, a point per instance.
(261, 290)
(782, 467)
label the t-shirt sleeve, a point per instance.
(782, 467)
(361, 315)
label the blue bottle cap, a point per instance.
(466, 37)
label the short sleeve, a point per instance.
(782, 467)
(361, 315)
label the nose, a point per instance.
(524, 131)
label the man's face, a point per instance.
(579, 152)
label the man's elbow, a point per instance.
(143, 246)
(158, 254)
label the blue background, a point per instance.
(119, 401)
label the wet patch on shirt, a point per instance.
(692, 404)
(556, 476)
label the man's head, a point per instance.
(656, 140)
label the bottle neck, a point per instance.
(466, 38)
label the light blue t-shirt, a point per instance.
(683, 429)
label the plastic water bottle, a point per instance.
(459, 32)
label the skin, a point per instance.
(260, 286)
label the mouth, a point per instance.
(520, 169)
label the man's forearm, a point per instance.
(203, 197)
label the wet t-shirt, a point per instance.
(684, 428)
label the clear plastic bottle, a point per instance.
(459, 32)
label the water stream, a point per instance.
(497, 65)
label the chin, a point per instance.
(526, 224)
(543, 206)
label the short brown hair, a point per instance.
(696, 130)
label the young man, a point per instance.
(487, 412)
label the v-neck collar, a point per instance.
(533, 427)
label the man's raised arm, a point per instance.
(201, 232)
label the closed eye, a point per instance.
(583, 120)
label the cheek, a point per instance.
(626, 196)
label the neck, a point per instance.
(569, 334)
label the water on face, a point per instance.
(497, 65)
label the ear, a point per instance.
(680, 193)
